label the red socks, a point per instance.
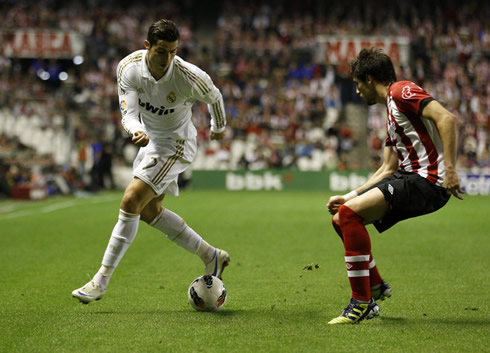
(357, 253)
(337, 229)
(374, 276)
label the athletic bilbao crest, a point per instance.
(407, 93)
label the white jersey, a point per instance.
(162, 109)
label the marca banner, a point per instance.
(340, 50)
(34, 43)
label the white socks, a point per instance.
(206, 252)
(167, 222)
(122, 236)
(104, 275)
(180, 233)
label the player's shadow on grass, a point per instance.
(435, 321)
(460, 322)
(254, 313)
(393, 320)
(263, 314)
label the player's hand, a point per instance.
(216, 135)
(451, 183)
(140, 139)
(334, 203)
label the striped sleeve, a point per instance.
(218, 117)
(128, 95)
(204, 90)
(409, 97)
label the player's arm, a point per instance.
(218, 116)
(216, 106)
(389, 167)
(128, 102)
(447, 125)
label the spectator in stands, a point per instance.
(4, 185)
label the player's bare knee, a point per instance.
(131, 202)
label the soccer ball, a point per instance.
(207, 293)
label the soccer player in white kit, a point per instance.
(156, 91)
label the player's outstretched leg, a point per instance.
(356, 311)
(216, 266)
(179, 232)
(381, 291)
(122, 236)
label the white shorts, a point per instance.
(159, 167)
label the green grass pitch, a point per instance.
(438, 266)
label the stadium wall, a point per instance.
(288, 180)
(277, 180)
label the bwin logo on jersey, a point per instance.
(155, 110)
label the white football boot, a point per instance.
(90, 292)
(220, 260)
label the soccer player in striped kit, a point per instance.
(417, 176)
(156, 91)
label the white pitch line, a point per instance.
(105, 199)
(7, 208)
(55, 207)
(17, 214)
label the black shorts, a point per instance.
(409, 195)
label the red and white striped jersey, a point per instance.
(415, 139)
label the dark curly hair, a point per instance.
(162, 30)
(372, 62)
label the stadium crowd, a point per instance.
(283, 106)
